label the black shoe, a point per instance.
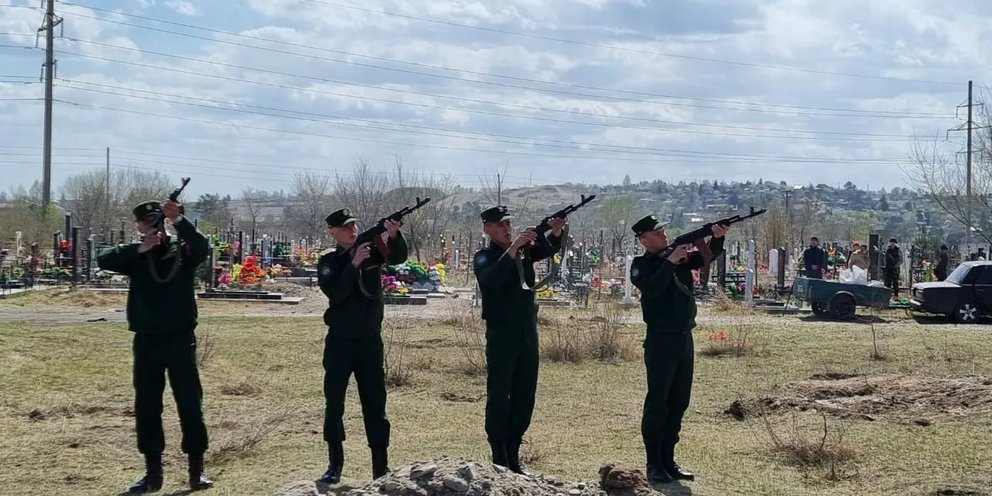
(197, 480)
(380, 462)
(152, 481)
(147, 484)
(658, 475)
(499, 453)
(673, 468)
(513, 458)
(335, 464)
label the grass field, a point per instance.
(66, 424)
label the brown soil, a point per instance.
(898, 398)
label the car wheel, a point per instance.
(842, 306)
(819, 308)
(966, 313)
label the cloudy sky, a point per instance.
(245, 93)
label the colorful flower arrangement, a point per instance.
(304, 257)
(416, 275)
(392, 286)
(278, 270)
(250, 272)
(546, 293)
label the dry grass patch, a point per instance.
(247, 440)
(725, 305)
(815, 450)
(737, 340)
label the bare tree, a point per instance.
(86, 195)
(312, 193)
(252, 199)
(616, 215)
(364, 192)
(945, 182)
(430, 222)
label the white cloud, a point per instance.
(659, 102)
(182, 7)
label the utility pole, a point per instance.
(968, 166)
(969, 127)
(48, 26)
(108, 212)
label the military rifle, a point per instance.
(158, 223)
(707, 230)
(543, 227)
(373, 235)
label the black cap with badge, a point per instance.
(649, 223)
(498, 213)
(145, 209)
(340, 218)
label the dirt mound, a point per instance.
(446, 476)
(899, 398)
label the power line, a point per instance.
(636, 50)
(380, 123)
(478, 111)
(583, 95)
(438, 67)
(724, 156)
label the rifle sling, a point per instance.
(555, 267)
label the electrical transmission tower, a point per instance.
(969, 126)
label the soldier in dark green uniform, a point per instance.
(510, 312)
(161, 312)
(669, 310)
(353, 285)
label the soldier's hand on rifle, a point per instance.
(392, 227)
(525, 237)
(150, 241)
(362, 253)
(171, 210)
(719, 231)
(556, 225)
(679, 254)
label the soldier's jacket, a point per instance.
(503, 298)
(349, 312)
(160, 308)
(667, 303)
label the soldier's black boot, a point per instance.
(513, 458)
(335, 463)
(380, 462)
(499, 453)
(152, 481)
(673, 468)
(197, 480)
(656, 471)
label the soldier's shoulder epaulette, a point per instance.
(327, 251)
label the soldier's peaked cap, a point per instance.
(646, 224)
(340, 217)
(498, 213)
(144, 209)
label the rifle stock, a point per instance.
(543, 227)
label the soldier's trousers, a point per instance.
(511, 380)
(362, 356)
(669, 360)
(156, 356)
(892, 282)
